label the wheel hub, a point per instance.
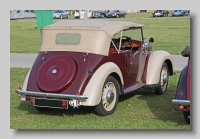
(110, 96)
(164, 78)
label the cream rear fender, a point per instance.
(156, 60)
(94, 87)
(24, 88)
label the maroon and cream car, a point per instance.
(92, 63)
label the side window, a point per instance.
(26, 11)
(18, 11)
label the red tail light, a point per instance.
(188, 108)
(32, 101)
(64, 104)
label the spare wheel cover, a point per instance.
(56, 74)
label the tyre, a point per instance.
(41, 108)
(186, 116)
(163, 82)
(109, 97)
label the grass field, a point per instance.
(170, 33)
(140, 110)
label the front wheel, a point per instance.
(163, 82)
(109, 97)
(186, 116)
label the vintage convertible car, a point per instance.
(182, 96)
(90, 63)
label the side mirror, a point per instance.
(151, 40)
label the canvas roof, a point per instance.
(111, 27)
(95, 35)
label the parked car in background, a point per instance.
(77, 13)
(179, 13)
(161, 13)
(61, 14)
(99, 14)
(93, 63)
(116, 13)
(182, 95)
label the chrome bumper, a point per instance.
(51, 95)
(178, 101)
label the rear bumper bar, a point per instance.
(178, 101)
(51, 95)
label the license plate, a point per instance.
(51, 103)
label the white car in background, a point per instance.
(77, 13)
(60, 14)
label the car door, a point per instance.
(133, 68)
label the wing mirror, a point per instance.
(151, 40)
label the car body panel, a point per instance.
(95, 85)
(154, 68)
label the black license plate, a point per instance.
(51, 103)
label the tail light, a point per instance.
(180, 107)
(32, 101)
(188, 108)
(64, 104)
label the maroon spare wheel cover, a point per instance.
(56, 74)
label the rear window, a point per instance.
(63, 38)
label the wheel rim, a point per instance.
(164, 78)
(109, 96)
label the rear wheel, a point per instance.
(163, 82)
(186, 116)
(109, 97)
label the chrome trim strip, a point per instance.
(51, 95)
(178, 101)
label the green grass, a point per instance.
(171, 34)
(140, 110)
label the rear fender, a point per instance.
(154, 66)
(24, 88)
(182, 85)
(94, 87)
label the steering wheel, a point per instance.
(128, 38)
